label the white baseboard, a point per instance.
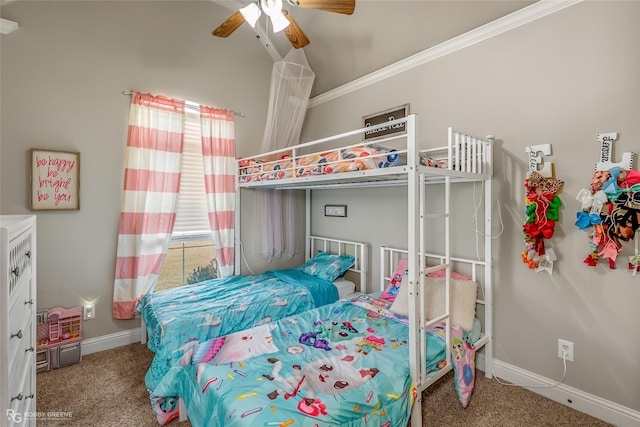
(107, 342)
(595, 406)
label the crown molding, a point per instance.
(516, 19)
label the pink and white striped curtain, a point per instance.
(151, 185)
(219, 153)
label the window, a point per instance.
(191, 254)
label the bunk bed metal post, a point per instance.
(447, 260)
(422, 281)
(364, 267)
(488, 266)
(383, 269)
(413, 226)
(237, 241)
(307, 225)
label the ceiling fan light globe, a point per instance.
(271, 7)
(251, 13)
(279, 22)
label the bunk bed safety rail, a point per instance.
(474, 268)
(291, 163)
(301, 161)
(464, 153)
(469, 152)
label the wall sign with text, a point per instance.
(55, 180)
(335, 210)
(386, 116)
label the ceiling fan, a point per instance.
(280, 19)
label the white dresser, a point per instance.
(17, 320)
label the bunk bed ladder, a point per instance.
(419, 325)
(417, 215)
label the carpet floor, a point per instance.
(106, 389)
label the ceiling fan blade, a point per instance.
(293, 32)
(338, 6)
(229, 26)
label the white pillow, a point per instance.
(401, 303)
(463, 294)
(463, 300)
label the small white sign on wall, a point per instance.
(335, 210)
(536, 160)
(606, 153)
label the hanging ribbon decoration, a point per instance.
(634, 260)
(542, 206)
(611, 210)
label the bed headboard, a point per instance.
(359, 272)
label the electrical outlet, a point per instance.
(89, 312)
(565, 347)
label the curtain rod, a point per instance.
(189, 103)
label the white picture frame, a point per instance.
(55, 180)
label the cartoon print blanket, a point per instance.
(329, 162)
(222, 306)
(340, 364)
(173, 313)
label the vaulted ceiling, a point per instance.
(379, 33)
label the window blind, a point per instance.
(192, 221)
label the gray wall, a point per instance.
(63, 72)
(559, 80)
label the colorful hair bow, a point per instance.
(634, 263)
(548, 185)
(610, 250)
(591, 202)
(611, 185)
(586, 220)
(545, 263)
(598, 180)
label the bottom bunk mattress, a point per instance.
(222, 306)
(343, 364)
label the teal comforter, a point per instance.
(222, 306)
(342, 364)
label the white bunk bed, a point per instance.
(399, 163)
(465, 158)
